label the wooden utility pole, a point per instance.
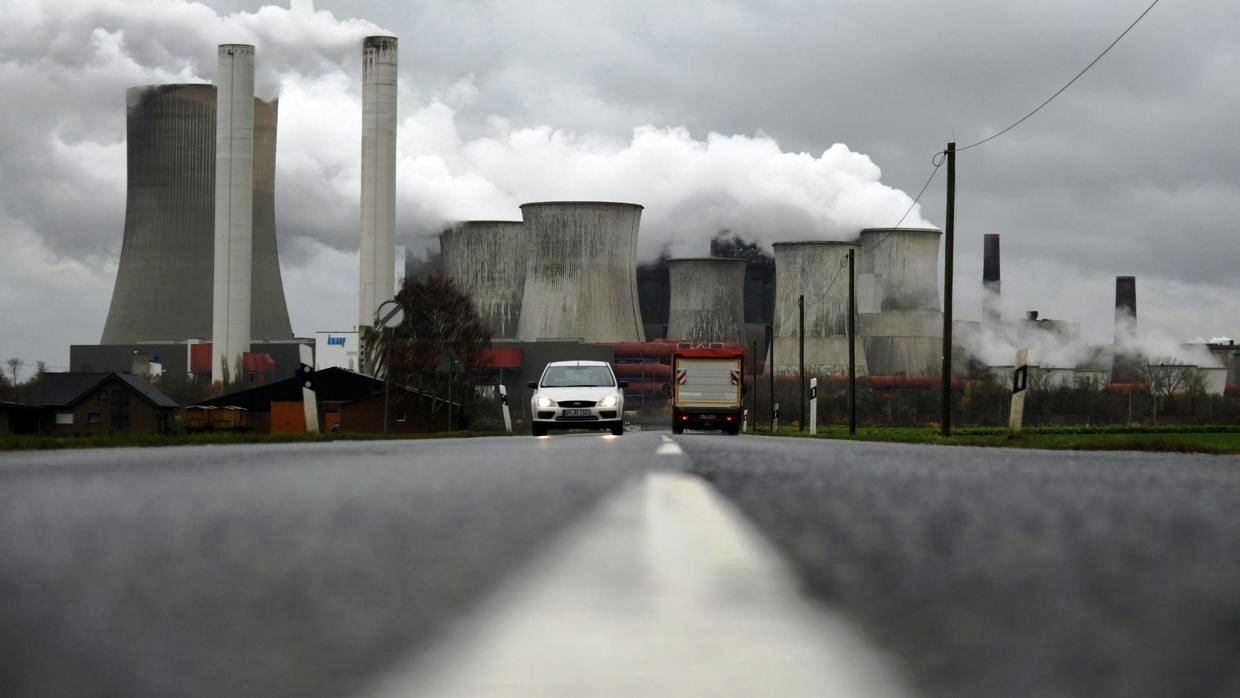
(770, 369)
(852, 342)
(801, 355)
(945, 420)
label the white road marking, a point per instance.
(668, 448)
(663, 591)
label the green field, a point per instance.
(29, 443)
(1182, 439)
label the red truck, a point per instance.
(707, 388)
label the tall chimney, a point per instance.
(1125, 367)
(377, 280)
(234, 205)
(992, 311)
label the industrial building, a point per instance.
(900, 320)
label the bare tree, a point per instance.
(1166, 377)
(15, 365)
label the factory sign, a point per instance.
(336, 350)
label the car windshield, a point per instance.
(577, 377)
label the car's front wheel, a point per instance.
(538, 429)
(618, 429)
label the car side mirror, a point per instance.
(623, 384)
(532, 385)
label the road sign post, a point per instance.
(389, 316)
(309, 401)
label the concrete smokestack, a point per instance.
(819, 271)
(486, 259)
(234, 211)
(706, 299)
(377, 280)
(1125, 367)
(992, 313)
(580, 278)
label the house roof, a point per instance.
(329, 385)
(64, 389)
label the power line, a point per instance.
(1061, 90)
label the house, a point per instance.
(347, 401)
(82, 403)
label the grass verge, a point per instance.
(1179, 439)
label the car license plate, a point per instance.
(705, 417)
(578, 413)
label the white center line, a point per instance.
(663, 591)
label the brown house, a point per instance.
(100, 403)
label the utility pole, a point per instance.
(945, 420)
(801, 355)
(753, 399)
(770, 369)
(852, 342)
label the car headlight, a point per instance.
(610, 401)
(544, 401)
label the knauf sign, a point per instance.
(336, 350)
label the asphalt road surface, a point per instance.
(307, 570)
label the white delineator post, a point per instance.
(813, 405)
(503, 401)
(234, 206)
(377, 280)
(1020, 381)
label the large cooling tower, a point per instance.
(992, 312)
(706, 299)
(817, 270)
(580, 279)
(486, 259)
(164, 284)
(900, 320)
(377, 278)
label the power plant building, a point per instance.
(900, 321)
(706, 300)
(164, 289)
(580, 279)
(487, 260)
(817, 270)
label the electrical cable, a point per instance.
(1061, 90)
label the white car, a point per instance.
(577, 395)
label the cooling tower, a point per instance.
(706, 299)
(992, 313)
(900, 320)
(234, 211)
(580, 279)
(486, 259)
(377, 278)
(164, 283)
(819, 271)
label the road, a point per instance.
(312, 569)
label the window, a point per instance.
(94, 418)
(64, 418)
(103, 395)
(401, 416)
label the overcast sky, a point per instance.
(781, 119)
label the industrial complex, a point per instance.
(199, 297)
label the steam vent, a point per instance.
(899, 319)
(164, 284)
(707, 299)
(486, 259)
(817, 270)
(580, 279)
